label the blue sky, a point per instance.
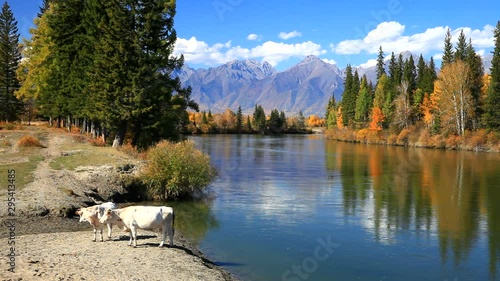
(281, 32)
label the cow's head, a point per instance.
(89, 214)
(108, 214)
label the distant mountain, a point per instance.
(305, 87)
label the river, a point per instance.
(305, 208)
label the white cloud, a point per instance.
(390, 36)
(286, 36)
(199, 52)
(254, 37)
(369, 63)
(330, 61)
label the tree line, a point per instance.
(409, 95)
(257, 123)
(102, 65)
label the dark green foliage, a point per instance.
(43, 8)
(331, 113)
(380, 63)
(476, 71)
(363, 101)
(461, 49)
(492, 106)
(10, 56)
(410, 75)
(448, 50)
(259, 119)
(239, 120)
(276, 124)
(248, 124)
(349, 95)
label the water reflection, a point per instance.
(453, 195)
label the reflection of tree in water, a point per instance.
(194, 218)
(426, 191)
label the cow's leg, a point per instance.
(171, 234)
(130, 234)
(100, 232)
(110, 226)
(95, 234)
(133, 231)
(163, 235)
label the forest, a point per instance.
(103, 67)
(412, 104)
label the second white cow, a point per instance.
(142, 217)
(92, 214)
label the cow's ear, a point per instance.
(78, 212)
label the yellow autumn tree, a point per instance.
(455, 103)
(315, 121)
(428, 107)
(340, 122)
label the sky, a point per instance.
(283, 32)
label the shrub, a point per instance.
(29, 141)
(97, 142)
(10, 126)
(403, 137)
(176, 170)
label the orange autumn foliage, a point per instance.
(377, 119)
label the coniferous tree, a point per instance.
(461, 49)
(380, 63)
(475, 64)
(10, 56)
(363, 102)
(421, 67)
(275, 123)
(330, 115)
(43, 8)
(448, 50)
(249, 124)
(259, 118)
(410, 75)
(283, 120)
(492, 106)
(239, 120)
(348, 97)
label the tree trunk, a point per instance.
(51, 121)
(120, 134)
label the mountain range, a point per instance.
(306, 86)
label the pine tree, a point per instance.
(43, 8)
(249, 124)
(410, 75)
(380, 63)
(461, 49)
(10, 56)
(348, 97)
(421, 67)
(330, 114)
(492, 106)
(259, 118)
(448, 50)
(275, 123)
(363, 102)
(475, 64)
(239, 120)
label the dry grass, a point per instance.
(97, 142)
(29, 141)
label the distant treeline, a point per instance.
(411, 104)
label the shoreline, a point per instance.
(55, 248)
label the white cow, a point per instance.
(142, 217)
(92, 214)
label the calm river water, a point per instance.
(306, 208)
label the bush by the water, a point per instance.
(176, 170)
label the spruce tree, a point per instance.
(475, 64)
(43, 8)
(380, 63)
(448, 50)
(239, 120)
(492, 106)
(421, 66)
(10, 56)
(363, 102)
(348, 97)
(461, 49)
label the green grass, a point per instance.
(23, 170)
(87, 155)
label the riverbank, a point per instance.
(480, 140)
(50, 183)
